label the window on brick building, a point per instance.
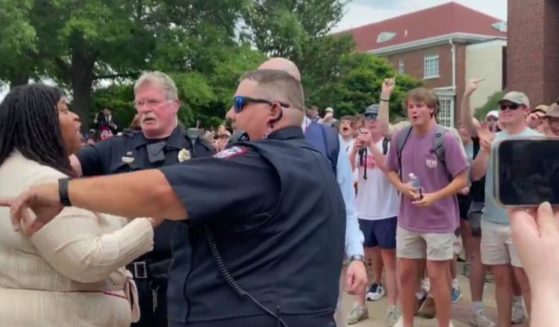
(446, 111)
(401, 66)
(431, 66)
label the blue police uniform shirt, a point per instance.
(127, 153)
(278, 218)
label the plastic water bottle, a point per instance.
(416, 184)
(414, 180)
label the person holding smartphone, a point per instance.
(497, 249)
(535, 232)
(377, 206)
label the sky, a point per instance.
(362, 12)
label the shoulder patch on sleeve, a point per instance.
(231, 152)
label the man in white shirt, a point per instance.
(377, 206)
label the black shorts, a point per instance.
(464, 202)
(474, 217)
(381, 233)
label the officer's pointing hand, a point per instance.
(43, 201)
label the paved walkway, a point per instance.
(461, 311)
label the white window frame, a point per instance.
(401, 66)
(431, 66)
(445, 114)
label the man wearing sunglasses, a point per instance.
(326, 140)
(497, 250)
(265, 237)
(552, 118)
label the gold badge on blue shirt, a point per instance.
(184, 155)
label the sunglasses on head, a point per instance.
(511, 106)
(240, 102)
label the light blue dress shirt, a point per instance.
(353, 235)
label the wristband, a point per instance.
(63, 192)
(384, 100)
(357, 258)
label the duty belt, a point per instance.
(139, 269)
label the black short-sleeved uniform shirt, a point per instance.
(129, 152)
(278, 218)
(250, 186)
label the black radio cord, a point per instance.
(229, 279)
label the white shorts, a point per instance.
(496, 245)
(433, 246)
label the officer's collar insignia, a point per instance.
(231, 152)
(184, 155)
(128, 160)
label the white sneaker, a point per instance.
(375, 292)
(393, 317)
(479, 319)
(357, 314)
(517, 316)
(425, 285)
(400, 322)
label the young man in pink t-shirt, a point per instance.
(428, 214)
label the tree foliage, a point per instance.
(357, 84)
(491, 104)
(17, 38)
(332, 73)
(96, 49)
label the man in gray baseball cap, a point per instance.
(552, 118)
(517, 98)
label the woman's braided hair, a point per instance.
(29, 123)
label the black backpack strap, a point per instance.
(401, 141)
(439, 148)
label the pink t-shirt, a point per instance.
(419, 159)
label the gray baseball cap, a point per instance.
(516, 97)
(372, 111)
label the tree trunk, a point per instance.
(82, 76)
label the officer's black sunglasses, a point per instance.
(240, 102)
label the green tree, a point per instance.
(357, 84)
(204, 97)
(491, 104)
(283, 27)
(17, 40)
(79, 43)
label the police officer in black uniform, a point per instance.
(266, 217)
(159, 143)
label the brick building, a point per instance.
(432, 45)
(533, 49)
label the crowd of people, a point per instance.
(269, 228)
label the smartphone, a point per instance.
(527, 171)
